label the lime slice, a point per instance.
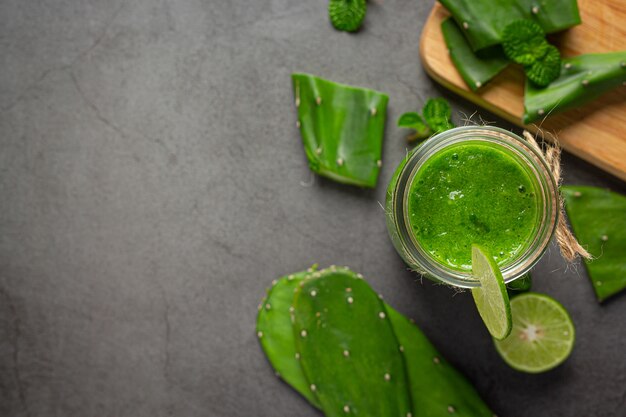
(491, 297)
(542, 335)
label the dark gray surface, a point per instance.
(153, 183)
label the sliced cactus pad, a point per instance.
(476, 70)
(342, 129)
(598, 217)
(337, 343)
(583, 78)
(483, 21)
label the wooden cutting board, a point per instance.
(595, 132)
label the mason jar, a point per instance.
(540, 230)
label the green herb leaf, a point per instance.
(524, 42)
(347, 15)
(437, 113)
(411, 120)
(436, 108)
(547, 69)
(414, 121)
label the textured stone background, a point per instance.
(153, 183)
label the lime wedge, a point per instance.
(542, 335)
(491, 297)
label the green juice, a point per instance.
(473, 192)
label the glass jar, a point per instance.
(512, 145)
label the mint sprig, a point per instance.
(347, 15)
(435, 118)
(524, 42)
(546, 69)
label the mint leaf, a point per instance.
(524, 42)
(347, 15)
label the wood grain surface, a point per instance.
(595, 132)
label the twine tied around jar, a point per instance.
(568, 245)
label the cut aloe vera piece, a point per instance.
(598, 217)
(476, 70)
(542, 335)
(483, 21)
(342, 129)
(491, 298)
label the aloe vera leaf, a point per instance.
(437, 388)
(476, 70)
(342, 129)
(583, 78)
(483, 21)
(274, 330)
(348, 348)
(598, 218)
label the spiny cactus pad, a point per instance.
(348, 348)
(598, 217)
(342, 129)
(363, 328)
(582, 79)
(437, 389)
(274, 330)
(475, 70)
(483, 21)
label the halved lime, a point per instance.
(542, 335)
(491, 297)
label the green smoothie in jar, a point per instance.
(472, 185)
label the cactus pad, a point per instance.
(437, 389)
(275, 333)
(598, 217)
(476, 70)
(355, 354)
(348, 348)
(483, 21)
(342, 129)
(582, 79)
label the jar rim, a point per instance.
(547, 191)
